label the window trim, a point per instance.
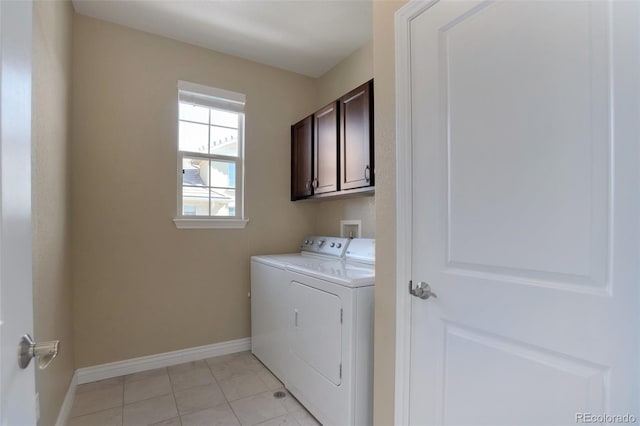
(207, 223)
(214, 98)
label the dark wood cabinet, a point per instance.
(325, 175)
(332, 150)
(302, 159)
(356, 141)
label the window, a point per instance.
(210, 157)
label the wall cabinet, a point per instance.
(332, 150)
(325, 150)
(356, 130)
(301, 158)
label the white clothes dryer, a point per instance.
(331, 336)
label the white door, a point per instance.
(17, 386)
(519, 180)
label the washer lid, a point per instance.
(277, 260)
(302, 260)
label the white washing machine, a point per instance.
(312, 325)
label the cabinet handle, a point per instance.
(315, 184)
(367, 173)
(307, 185)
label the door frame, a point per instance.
(404, 218)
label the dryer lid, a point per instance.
(362, 250)
(348, 274)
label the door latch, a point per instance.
(423, 290)
(45, 352)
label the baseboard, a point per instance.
(67, 404)
(135, 365)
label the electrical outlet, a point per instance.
(37, 406)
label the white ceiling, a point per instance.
(304, 36)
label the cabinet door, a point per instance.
(301, 158)
(356, 138)
(325, 176)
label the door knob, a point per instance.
(423, 290)
(45, 352)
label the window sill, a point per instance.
(206, 223)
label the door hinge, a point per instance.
(341, 315)
(341, 370)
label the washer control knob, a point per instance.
(306, 241)
(321, 243)
(333, 244)
(311, 242)
(339, 245)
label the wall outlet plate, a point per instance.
(351, 228)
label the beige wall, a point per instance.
(330, 213)
(52, 292)
(348, 74)
(384, 350)
(140, 285)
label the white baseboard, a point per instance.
(135, 365)
(67, 404)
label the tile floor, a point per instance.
(233, 389)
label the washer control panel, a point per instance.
(332, 246)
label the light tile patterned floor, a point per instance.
(233, 389)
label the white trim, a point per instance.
(199, 89)
(213, 98)
(356, 222)
(207, 223)
(136, 365)
(67, 404)
(404, 191)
